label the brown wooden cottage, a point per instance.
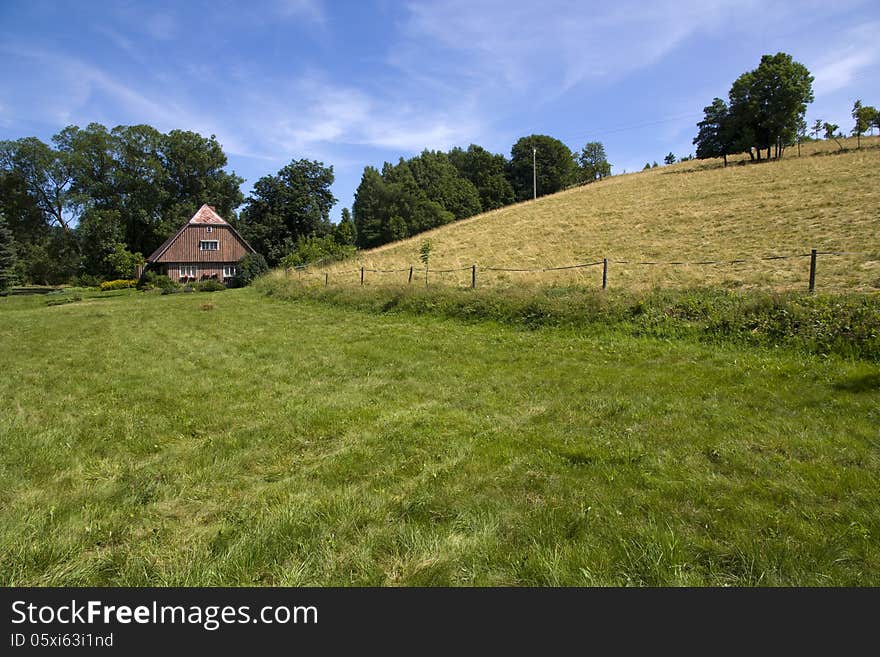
(205, 247)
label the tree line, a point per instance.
(95, 200)
(436, 187)
(91, 204)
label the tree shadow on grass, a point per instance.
(864, 383)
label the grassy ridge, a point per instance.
(691, 211)
(847, 325)
(231, 439)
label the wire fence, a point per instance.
(343, 275)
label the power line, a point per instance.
(645, 124)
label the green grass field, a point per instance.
(233, 439)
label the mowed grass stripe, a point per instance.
(148, 441)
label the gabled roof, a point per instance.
(207, 215)
(204, 215)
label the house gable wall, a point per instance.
(185, 248)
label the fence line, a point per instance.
(813, 254)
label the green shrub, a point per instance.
(317, 250)
(119, 284)
(147, 281)
(124, 263)
(153, 281)
(165, 283)
(210, 285)
(85, 280)
(251, 267)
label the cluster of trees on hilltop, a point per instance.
(765, 111)
(96, 200)
(865, 117)
(436, 188)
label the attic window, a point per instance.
(209, 245)
(209, 229)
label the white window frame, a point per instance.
(209, 229)
(188, 271)
(203, 245)
(229, 271)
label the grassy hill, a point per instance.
(691, 211)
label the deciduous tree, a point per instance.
(864, 117)
(593, 162)
(766, 104)
(487, 173)
(46, 176)
(556, 168)
(293, 203)
(440, 181)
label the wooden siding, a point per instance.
(203, 271)
(186, 247)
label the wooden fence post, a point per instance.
(410, 274)
(326, 279)
(473, 277)
(812, 270)
(362, 275)
(604, 273)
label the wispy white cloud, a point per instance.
(552, 44)
(856, 52)
(162, 26)
(261, 13)
(260, 117)
(312, 10)
(313, 114)
(76, 91)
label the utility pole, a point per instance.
(534, 173)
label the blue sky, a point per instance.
(359, 83)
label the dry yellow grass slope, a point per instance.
(691, 211)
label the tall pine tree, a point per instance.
(368, 209)
(345, 232)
